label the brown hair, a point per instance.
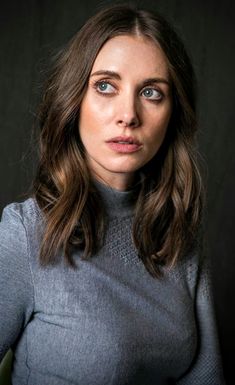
(169, 205)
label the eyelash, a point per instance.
(108, 94)
(153, 89)
(99, 82)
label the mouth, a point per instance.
(124, 144)
(124, 140)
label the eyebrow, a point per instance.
(112, 74)
(116, 75)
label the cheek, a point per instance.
(95, 112)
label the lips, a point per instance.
(124, 144)
(124, 140)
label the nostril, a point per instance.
(128, 123)
(123, 123)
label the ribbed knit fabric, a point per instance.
(108, 322)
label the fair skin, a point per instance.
(126, 109)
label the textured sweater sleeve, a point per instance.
(16, 289)
(206, 369)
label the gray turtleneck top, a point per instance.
(108, 322)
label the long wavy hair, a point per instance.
(168, 209)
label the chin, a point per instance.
(126, 165)
(128, 170)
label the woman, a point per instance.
(102, 280)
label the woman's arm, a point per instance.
(206, 369)
(16, 288)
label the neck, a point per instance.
(118, 182)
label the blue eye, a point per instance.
(152, 94)
(104, 87)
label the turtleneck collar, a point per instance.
(116, 202)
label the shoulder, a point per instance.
(27, 211)
(19, 227)
(26, 214)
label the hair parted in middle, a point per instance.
(169, 206)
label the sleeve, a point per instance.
(16, 288)
(206, 368)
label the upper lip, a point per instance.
(128, 139)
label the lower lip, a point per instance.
(124, 148)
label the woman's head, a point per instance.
(70, 79)
(80, 99)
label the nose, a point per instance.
(127, 112)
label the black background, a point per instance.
(32, 30)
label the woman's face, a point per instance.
(126, 109)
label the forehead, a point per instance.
(132, 54)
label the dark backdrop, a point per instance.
(32, 30)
